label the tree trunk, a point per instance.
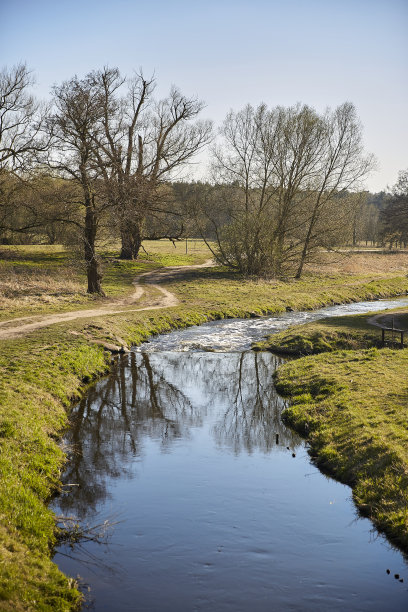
(92, 265)
(305, 250)
(131, 235)
(354, 236)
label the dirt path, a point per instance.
(166, 299)
(399, 319)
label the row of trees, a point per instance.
(102, 157)
(394, 216)
(57, 222)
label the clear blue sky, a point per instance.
(320, 52)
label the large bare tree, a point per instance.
(279, 173)
(140, 146)
(73, 126)
(264, 159)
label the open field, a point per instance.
(41, 279)
(45, 370)
(359, 261)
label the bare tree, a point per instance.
(279, 174)
(21, 120)
(265, 164)
(341, 166)
(140, 145)
(21, 143)
(73, 127)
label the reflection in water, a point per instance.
(142, 398)
(253, 415)
(188, 452)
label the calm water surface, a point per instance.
(186, 449)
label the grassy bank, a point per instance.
(44, 371)
(234, 296)
(337, 333)
(353, 408)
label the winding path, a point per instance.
(166, 299)
(386, 320)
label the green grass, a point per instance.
(43, 372)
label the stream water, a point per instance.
(216, 503)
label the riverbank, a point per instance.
(43, 372)
(336, 333)
(352, 407)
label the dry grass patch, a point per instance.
(35, 277)
(36, 288)
(360, 263)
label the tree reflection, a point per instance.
(161, 396)
(253, 417)
(109, 425)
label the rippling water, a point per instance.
(239, 334)
(219, 507)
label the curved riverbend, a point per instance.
(219, 507)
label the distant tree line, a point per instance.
(394, 214)
(101, 160)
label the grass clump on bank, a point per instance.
(353, 407)
(337, 333)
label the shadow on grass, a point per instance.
(189, 275)
(32, 258)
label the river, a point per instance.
(216, 503)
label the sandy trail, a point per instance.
(166, 299)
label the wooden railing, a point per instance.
(393, 330)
